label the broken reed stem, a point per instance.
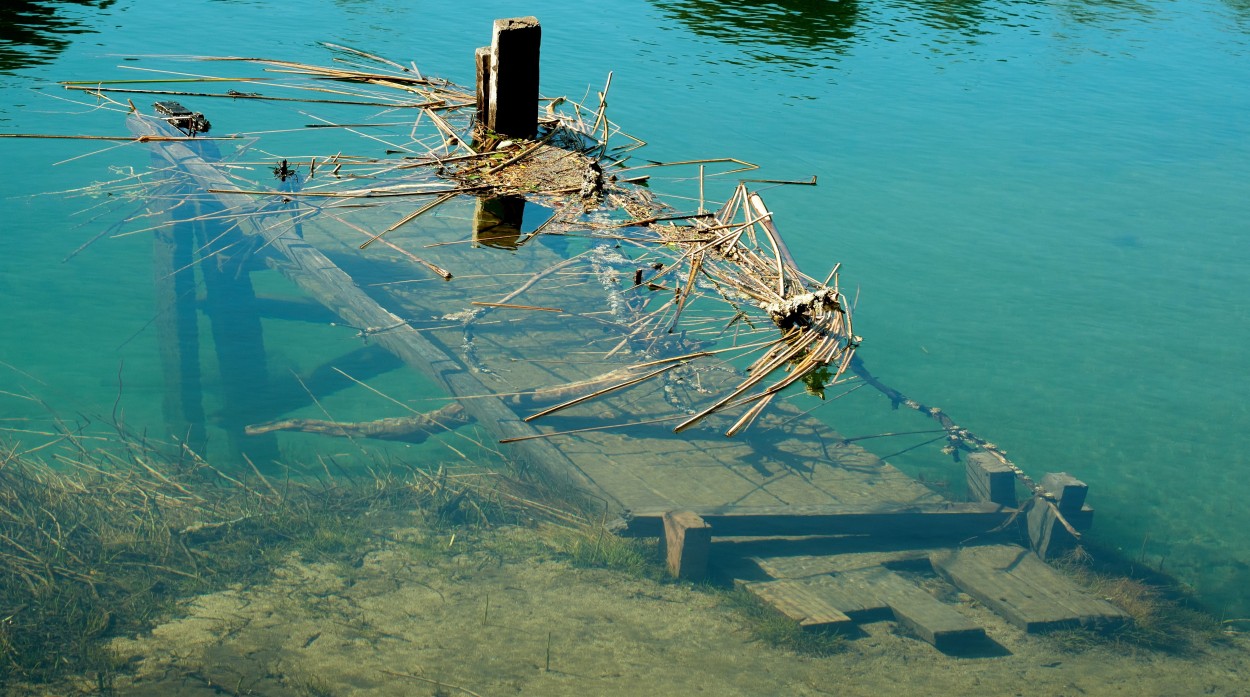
(606, 390)
(409, 218)
(132, 139)
(366, 193)
(434, 268)
(516, 307)
(370, 56)
(258, 97)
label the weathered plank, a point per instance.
(917, 521)
(865, 595)
(919, 612)
(805, 565)
(849, 593)
(802, 603)
(1015, 583)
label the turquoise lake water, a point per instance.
(1041, 205)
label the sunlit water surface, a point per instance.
(1041, 205)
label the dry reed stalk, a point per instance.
(511, 306)
(600, 392)
(410, 217)
(98, 91)
(360, 193)
(128, 139)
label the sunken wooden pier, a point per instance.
(817, 527)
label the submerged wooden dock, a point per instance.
(810, 523)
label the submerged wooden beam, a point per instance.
(322, 279)
(918, 521)
(238, 336)
(177, 332)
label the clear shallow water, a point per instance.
(1042, 204)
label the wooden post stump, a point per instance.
(989, 479)
(1069, 490)
(512, 102)
(1048, 536)
(689, 540)
(483, 60)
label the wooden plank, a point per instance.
(807, 565)
(918, 611)
(850, 594)
(1015, 583)
(801, 603)
(865, 595)
(916, 521)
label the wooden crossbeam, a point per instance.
(919, 521)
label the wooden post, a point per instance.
(482, 58)
(1047, 535)
(512, 105)
(990, 479)
(1069, 490)
(689, 540)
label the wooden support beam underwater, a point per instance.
(953, 521)
(177, 331)
(322, 279)
(238, 336)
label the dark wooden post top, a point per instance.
(512, 105)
